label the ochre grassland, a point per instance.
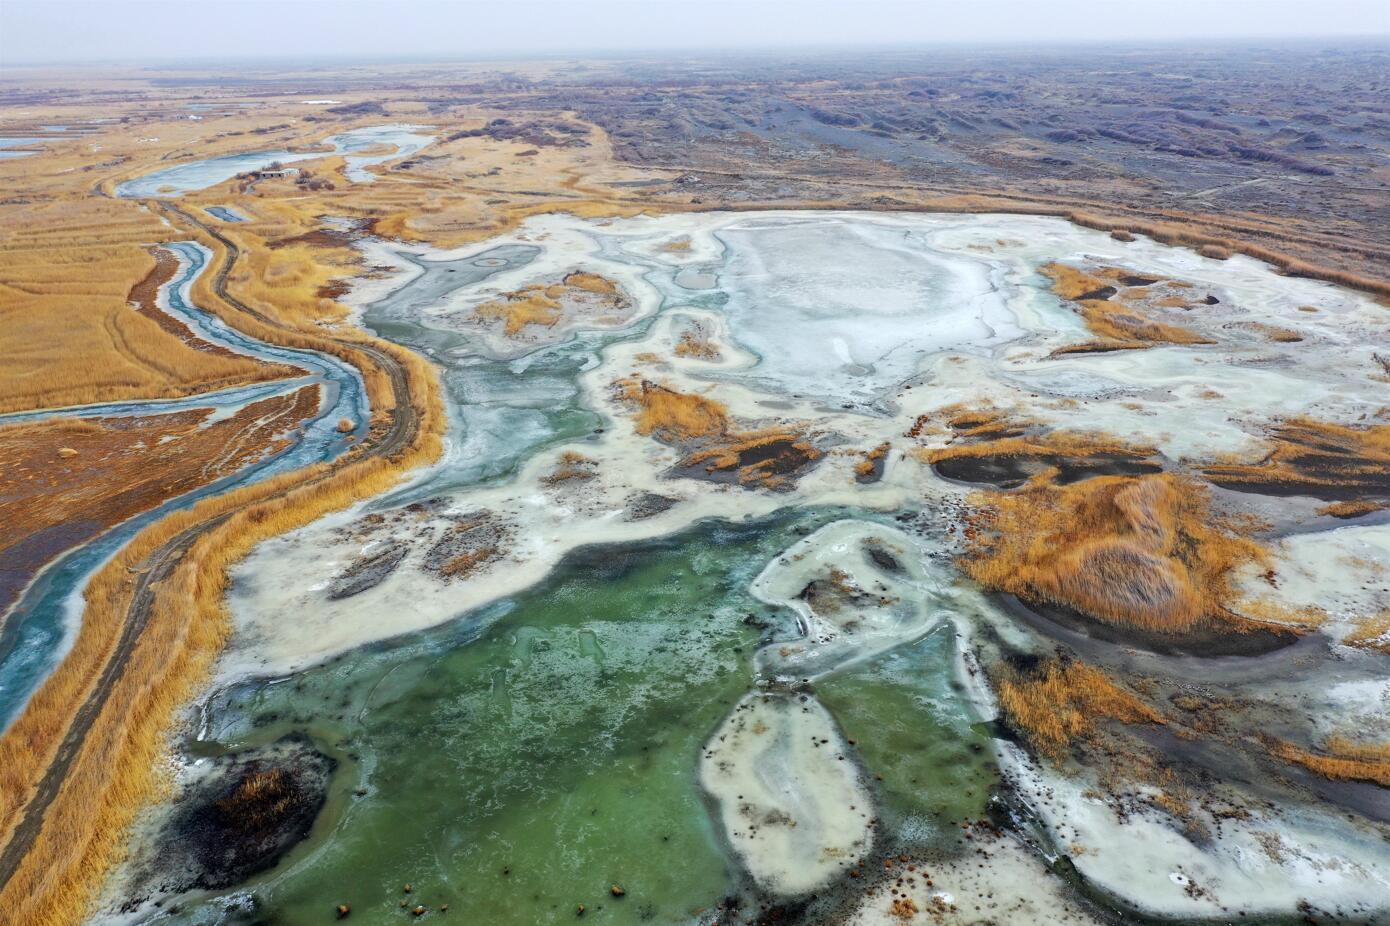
(1146, 552)
(67, 334)
(990, 432)
(1056, 702)
(1342, 760)
(702, 428)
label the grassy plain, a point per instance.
(68, 335)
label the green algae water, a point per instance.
(525, 759)
(935, 767)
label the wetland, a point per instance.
(819, 620)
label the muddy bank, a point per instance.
(1209, 640)
(1011, 471)
(240, 817)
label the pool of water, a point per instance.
(226, 214)
(199, 175)
(8, 144)
(523, 759)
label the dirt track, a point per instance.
(401, 430)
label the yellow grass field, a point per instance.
(68, 335)
(1144, 552)
(1059, 702)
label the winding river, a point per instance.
(43, 622)
(198, 175)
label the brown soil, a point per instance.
(144, 295)
(474, 541)
(695, 342)
(769, 460)
(243, 818)
(51, 500)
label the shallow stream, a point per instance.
(41, 625)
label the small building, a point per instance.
(270, 173)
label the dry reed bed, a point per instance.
(144, 298)
(1352, 509)
(671, 416)
(1372, 632)
(1055, 702)
(64, 310)
(295, 327)
(1335, 462)
(703, 430)
(1343, 760)
(1143, 552)
(115, 770)
(1118, 323)
(543, 304)
(992, 432)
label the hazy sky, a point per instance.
(63, 30)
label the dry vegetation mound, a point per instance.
(769, 458)
(1055, 701)
(1140, 552)
(1004, 449)
(546, 304)
(1120, 319)
(673, 417)
(1332, 462)
(1342, 759)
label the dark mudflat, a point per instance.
(243, 817)
(645, 505)
(366, 572)
(1205, 642)
(1009, 472)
